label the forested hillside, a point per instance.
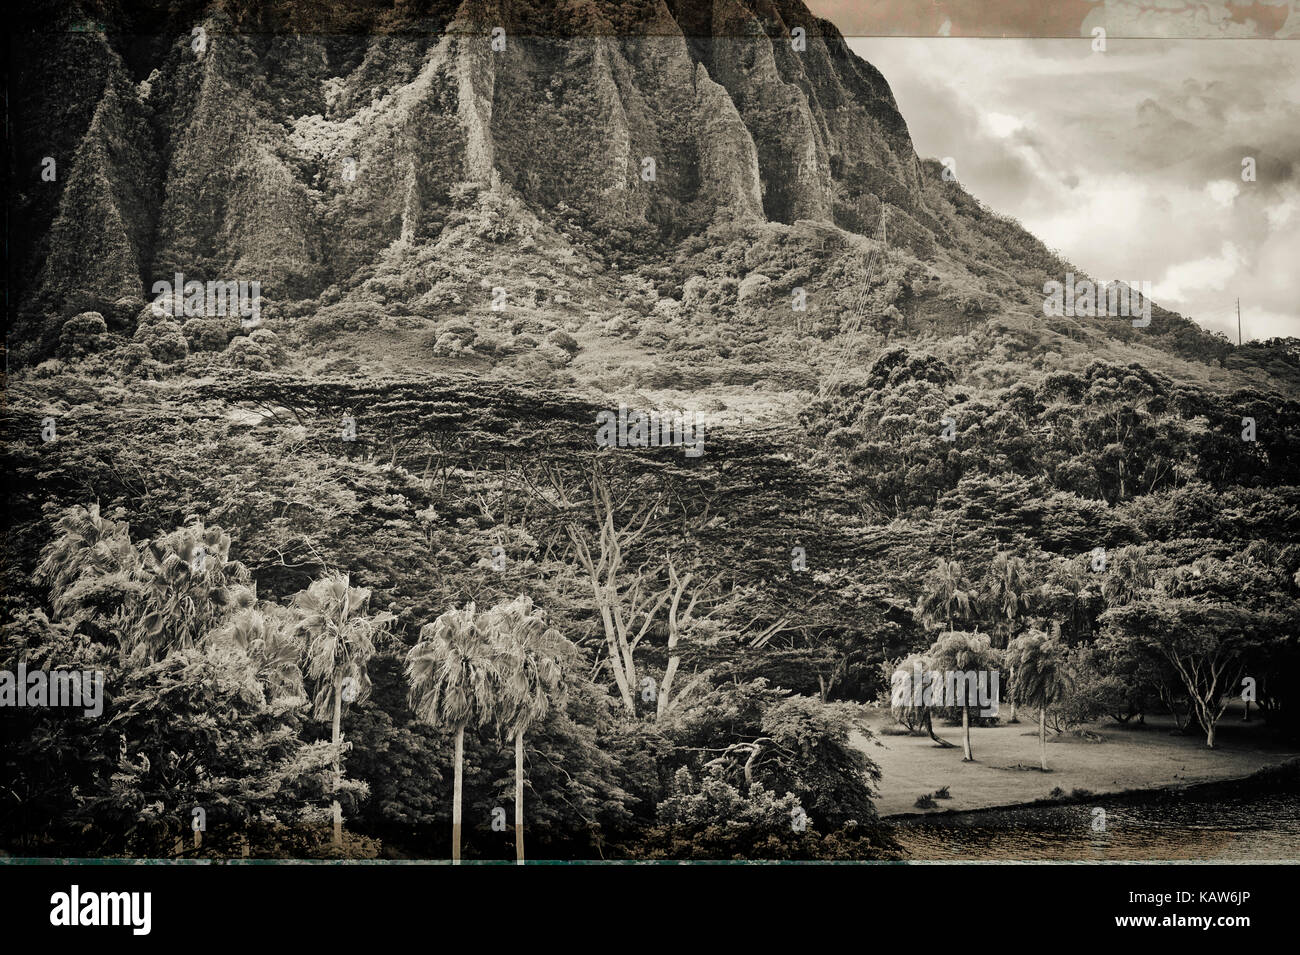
(334, 558)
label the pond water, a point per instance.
(1162, 826)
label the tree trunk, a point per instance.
(1042, 737)
(337, 736)
(1209, 733)
(618, 663)
(519, 798)
(669, 674)
(965, 728)
(929, 728)
(1013, 697)
(455, 796)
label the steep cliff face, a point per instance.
(278, 142)
(235, 200)
(84, 176)
(99, 241)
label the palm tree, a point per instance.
(85, 544)
(1006, 594)
(189, 585)
(453, 676)
(1072, 589)
(266, 635)
(340, 642)
(531, 659)
(911, 690)
(945, 588)
(1128, 576)
(1007, 589)
(165, 593)
(1044, 677)
(957, 652)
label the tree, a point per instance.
(954, 655)
(340, 641)
(86, 549)
(530, 660)
(453, 680)
(626, 611)
(944, 590)
(629, 598)
(153, 597)
(1044, 677)
(1072, 595)
(188, 585)
(267, 635)
(912, 683)
(1007, 589)
(885, 427)
(1127, 576)
(1006, 594)
(678, 621)
(193, 731)
(757, 739)
(1206, 644)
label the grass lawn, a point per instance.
(1005, 771)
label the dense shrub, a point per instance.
(207, 334)
(563, 340)
(164, 339)
(82, 334)
(133, 356)
(270, 343)
(334, 321)
(260, 351)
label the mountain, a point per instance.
(417, 156)
(244, 171)
(460, 271)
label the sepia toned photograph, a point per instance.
(581, 432)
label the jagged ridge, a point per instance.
(230, 159)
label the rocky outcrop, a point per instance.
(299, 160)
(729, 171)
(89, 224)
(235, 205)
(99, 240)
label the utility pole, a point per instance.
(1238, 323)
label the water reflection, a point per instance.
(1266, 826)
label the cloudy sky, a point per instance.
(1129, 161)
(1063, 18)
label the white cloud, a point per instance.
(1002, 125)
(1210, 273)
(1280, 213)
(1223, 191)
(1172, 18)
(1128, 162)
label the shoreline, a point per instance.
(1275, 775)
